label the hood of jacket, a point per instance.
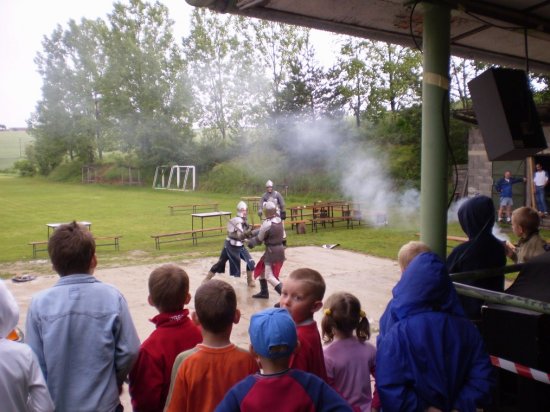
(477, 216)
(9, 311)
(425, 286)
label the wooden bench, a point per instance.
(103, 241)
(315, 222)
(36, 247)
(222, 231)
(194, 208)
(460, 239)
(192, 235)
(108, 241)
(174, 237)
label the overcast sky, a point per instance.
(23, 23)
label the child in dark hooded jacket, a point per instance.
(482, 250)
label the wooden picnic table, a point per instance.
(208, 215)
(53, 226)
(193, 208)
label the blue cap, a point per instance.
(272, 328)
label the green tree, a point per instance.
(462, 71)
(352, 78)
(277, 46)
(116, 85)
(301, 96)
(68, 118)
(146, 89)
(398, 72)
(224, 76)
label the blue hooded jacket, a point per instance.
(430, 354)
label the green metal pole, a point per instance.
(435, 118)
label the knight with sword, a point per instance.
(271, 234)
(233, 250)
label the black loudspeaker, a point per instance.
(506, 114)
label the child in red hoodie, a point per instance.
(175, 332)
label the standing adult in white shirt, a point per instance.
(540, 180)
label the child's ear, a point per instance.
(255, 355)
(150, 301)
(237, 316)
(187, 299)
(316, 306)
(93, 263)
(195, 318)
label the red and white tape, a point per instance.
(521, 370)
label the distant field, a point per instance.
(12, 147)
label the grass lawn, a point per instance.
(28, 204)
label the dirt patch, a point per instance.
(369, 278)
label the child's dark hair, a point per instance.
(168, 288)
(71, 248)
(343, 313)
(215, 305)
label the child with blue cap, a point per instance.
(273, 339)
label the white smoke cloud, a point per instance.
(499, 234)
(363, 173)
(452, 212)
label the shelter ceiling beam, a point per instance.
(524, 18)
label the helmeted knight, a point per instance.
(238, 230)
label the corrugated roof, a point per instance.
(503, 32)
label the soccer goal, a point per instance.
(161, 177)
(174, 178)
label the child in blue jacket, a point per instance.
(432, 356)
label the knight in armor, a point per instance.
(271, 234)
(271, 195)
(234, 250)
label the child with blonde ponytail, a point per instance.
(349, 358)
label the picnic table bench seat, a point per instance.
(42, 245)
(193, 208)
(192, 235)
(173, 237)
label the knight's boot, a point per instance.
(264, 293)
(209, 276)
(278, 289)
(250, 279)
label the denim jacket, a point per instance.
(85, 340)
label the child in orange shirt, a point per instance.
(206, 375)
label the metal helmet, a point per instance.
(242, 209)
(269, 183)
(270, 209)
